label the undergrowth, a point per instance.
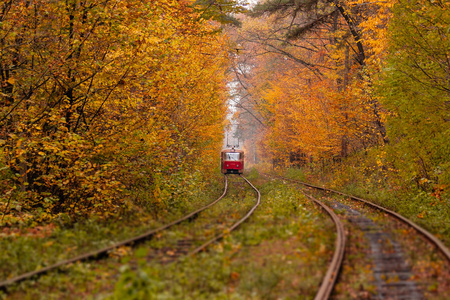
(281, 252)
(27, 247)
(369, 175)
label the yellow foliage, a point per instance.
(314, 91)
(107, 95)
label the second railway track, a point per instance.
(392, 274)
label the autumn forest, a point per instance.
(116, 111)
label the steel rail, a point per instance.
(329, 280)
(429, 236)
(102, 252)
(234, 226)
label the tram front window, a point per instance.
(233, 156)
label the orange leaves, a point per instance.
(314, 90)
(302, 118)
(374, 25)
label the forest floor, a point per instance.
(281, 253)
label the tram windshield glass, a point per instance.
(233, 156)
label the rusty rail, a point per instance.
(329, 280)
(426, 234)
(104, 251)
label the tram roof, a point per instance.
(232, 151)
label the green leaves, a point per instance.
(223, 11)
(415, 89)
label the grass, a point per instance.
(24, 249)
(272, 256)
(421, 207)
(280, 253)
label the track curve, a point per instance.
(425, 233)
(330, 278)
(430, 238)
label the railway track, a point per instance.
(186, 246)
(98, 254)
(426, 234)
(235, 225)
(391, 271)
(330, 278)
(393, 275)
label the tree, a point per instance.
(222, 11)
(314, 57)
(416, 91)
(309, 15)
(94, 92)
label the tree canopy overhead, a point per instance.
(309, 78)
(329, 78)
(222, 11)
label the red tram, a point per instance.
(232, 161)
